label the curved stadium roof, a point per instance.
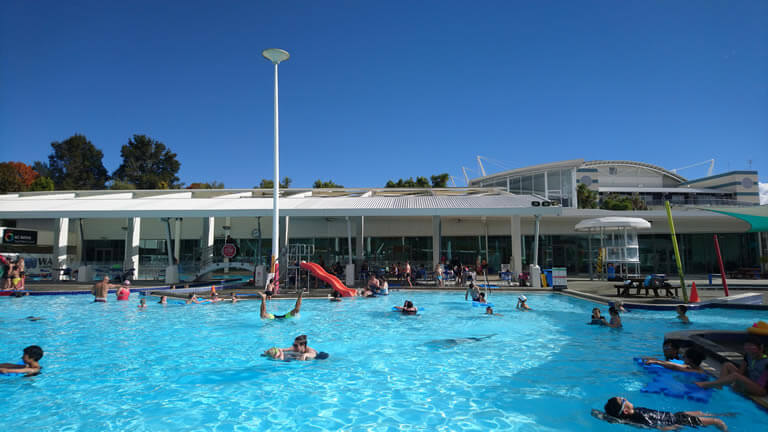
(660, 170)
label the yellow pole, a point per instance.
(677, 252)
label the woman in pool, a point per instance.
(751, 376)
(615, 318)
(124, 292)
(521, 303)
(383, 286)
(407, 308)
(163, 300)
(681, 310)
(623, 409)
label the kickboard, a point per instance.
(675, 384)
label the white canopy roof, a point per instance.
(612, 223)
(257, 202)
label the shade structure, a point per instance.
(612, 223)
(756, 217)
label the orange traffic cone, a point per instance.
(213, 290)
(694, 294)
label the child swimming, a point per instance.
(623, 409)
(30, 357)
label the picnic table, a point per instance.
(656, 282)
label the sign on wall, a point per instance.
(19, 237)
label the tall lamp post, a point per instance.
(276, 56)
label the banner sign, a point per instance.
(19, 237)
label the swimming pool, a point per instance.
(114, 367)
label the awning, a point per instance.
(756, 217)
(612, 224)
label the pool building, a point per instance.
(495, 219)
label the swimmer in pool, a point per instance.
(298, 351)
(622, 409)
(521, 303)
(407, 308)
(482, 299)
(692, 361)
(192, 298)
(163, 300)
(292, 314)
(681, 310)
(473, 291)
(31, 356)
(489, 311)
(596, 317)
(615, 318)
(101, 288)
(143, 303)
(234, 298)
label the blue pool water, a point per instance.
(114, 367)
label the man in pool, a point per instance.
(473, 291)
(298, 351)
(292, 314)
(101, 289)
(623, 409)
(31, 356)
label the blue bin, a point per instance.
(548, 272)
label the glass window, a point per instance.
(538, 184)
(515, 185)
(526, 185)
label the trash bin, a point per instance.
(548, 272)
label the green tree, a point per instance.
(116, 184)
(148, 164)
(440, 180)
(76, 164)
(586, 198)
(42, 184)
(269, 184)
(319, 184)
(616, 202)
(42, 168)
(9, 179)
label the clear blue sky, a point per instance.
(388, 89)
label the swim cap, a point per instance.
(126, 282)
(522, 298)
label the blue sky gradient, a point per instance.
(383, 90)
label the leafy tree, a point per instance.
(269, 184)
(440, 180)
(76, 164)
(421, 182)
(586, 198)
(623, 202)
(121, 185)
(25, 173)
(9, 179)
(319, 184)
(148, 164)
(42, 168)
(42, 184)
(211, 185)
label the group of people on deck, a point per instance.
(12, 273)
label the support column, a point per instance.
(60, 246)
(437, 232)
(227, 230)
(516, 259)
(177, 240)
(349, 271)
(209, 229)
(360, 242)
(535, 269)
(134, 235)
(285, 242)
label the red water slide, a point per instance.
(328, 278)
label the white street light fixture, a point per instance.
(276, 56)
